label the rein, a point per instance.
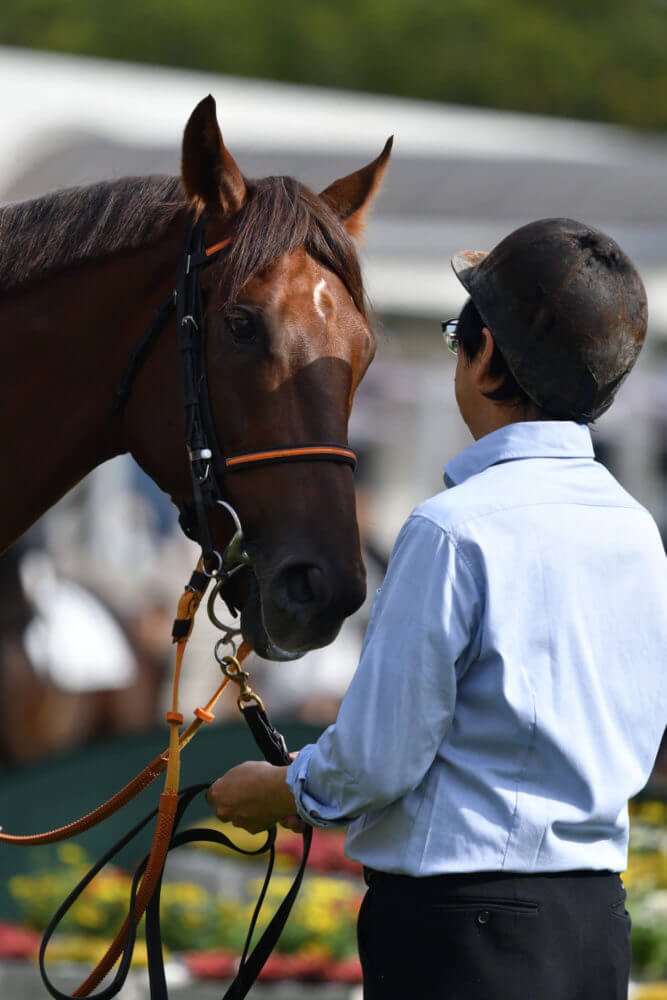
(208, 466)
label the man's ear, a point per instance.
(350, 197)
(209, 174)
(482, 363)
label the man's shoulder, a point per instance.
(520, 484)
(450, 509)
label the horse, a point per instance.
(288, 340)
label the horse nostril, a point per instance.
(300, 584)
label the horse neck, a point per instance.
(64, 344)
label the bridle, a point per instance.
(208, 467)
(207, 461)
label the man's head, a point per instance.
(567, 311)
(487, 394)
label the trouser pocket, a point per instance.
(483, 909)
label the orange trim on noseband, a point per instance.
(312, 451)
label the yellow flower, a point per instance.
(330, 889)
(112, 889)
(72, 854)
(89, 950)
(284, 863)
(314, 949)
(278, 888)
(654, 813)
(646, 870)
(88, 915)
(185, 893)
(20, 886)
(652, 991)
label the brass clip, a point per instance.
(232, 669)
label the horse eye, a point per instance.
(242, 327)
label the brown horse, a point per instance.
(288, 342)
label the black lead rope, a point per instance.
(272, 745)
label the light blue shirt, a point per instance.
(510, 695)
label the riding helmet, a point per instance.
(567, 310)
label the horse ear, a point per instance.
(350, 196)
(209, 173)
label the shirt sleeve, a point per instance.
(400, 703)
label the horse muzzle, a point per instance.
(304, 604)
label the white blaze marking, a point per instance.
(317, 298)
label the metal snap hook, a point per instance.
(234, 554)
(229, 630)
(212, 574)
(233, 671)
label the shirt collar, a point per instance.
(526, 439)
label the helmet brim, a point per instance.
(464, 265)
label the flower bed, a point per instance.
(646, 884)
(207, 930)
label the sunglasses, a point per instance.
(449, 335)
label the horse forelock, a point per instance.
(280, 216)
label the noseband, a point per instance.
(208, 463)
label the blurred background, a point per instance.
(502, 113)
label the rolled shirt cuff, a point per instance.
(310, 809)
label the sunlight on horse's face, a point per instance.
(304, 313)
(290, 379)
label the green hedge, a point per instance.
(599, 60)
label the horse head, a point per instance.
(288, 342)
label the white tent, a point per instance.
(459, 178)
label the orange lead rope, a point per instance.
(187, 609)
(169, 761)
(146, 885)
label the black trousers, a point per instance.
(495, 936)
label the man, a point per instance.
(510, 696)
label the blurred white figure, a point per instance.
(72, 641)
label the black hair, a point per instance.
(470, 340)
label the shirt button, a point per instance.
(482, 917)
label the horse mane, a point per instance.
(67, 227)
(82, 223)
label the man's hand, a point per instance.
(253, 796)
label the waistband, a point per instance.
(458, 880)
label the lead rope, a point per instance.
(187, 608)
(166, 811)
(147, 882)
